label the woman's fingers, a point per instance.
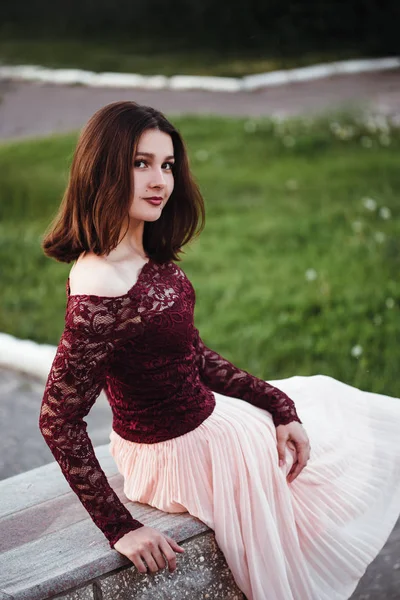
(139, 564)
(154, 559)
(149, 549)
(303, 454)
(147, 555)
(169, 554)
(174, 544)
(296, 458)
(159, 557)
(281, 446)
(293, 450)
(294, 435)
(281, 440)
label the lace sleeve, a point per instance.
(94, 327)
(223, 377)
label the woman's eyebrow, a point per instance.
(152, 155)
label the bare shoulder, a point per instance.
(92, 274)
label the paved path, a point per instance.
(22, 448)
(33, 109)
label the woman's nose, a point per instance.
(157, 178)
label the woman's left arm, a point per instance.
(223, 377)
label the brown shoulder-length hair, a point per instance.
(98, 195)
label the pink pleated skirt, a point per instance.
(311, 539)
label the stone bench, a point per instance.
(50, 547)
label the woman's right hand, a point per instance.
(148, 544)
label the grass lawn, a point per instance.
(140, 57)
(297, 270)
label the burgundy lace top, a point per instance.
(142, 347)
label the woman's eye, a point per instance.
(138, 162)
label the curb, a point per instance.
(26, 356)
(189, 82)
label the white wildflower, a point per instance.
(369, 204)
(202, 155)
(292, 185)
(380, 237)
(279, 125)
(348, 132)
(384, 139)
(356, 351)
(357, 226)
(371, 124)
(335, 126)
(385, 213)
(360, 120)
(325, 289)
(382, 123)
(366, 141)
(345, 133)
(288, 141)
(395, 119)
(390, 303)
(278, 118)
(339, 133)
(311, 274)
(250, 126)
(283, 317)
(308, 121)
(279, 129)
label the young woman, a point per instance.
(299, 507)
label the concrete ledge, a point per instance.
(50, 548)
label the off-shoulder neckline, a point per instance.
(141, 272)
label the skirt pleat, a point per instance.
(311, 539)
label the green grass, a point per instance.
(140, 57)
(281, 199)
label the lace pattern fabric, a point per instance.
(143, 349)
(76, 378)
(223, 377)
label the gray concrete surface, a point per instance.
(49, 545)
(22, 446)
(35, 109)
(202, 573)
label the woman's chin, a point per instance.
(148, 215)
(153, 217)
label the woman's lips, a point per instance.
(154, 202)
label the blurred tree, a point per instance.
(281, 26)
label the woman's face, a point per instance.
(152, 175)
